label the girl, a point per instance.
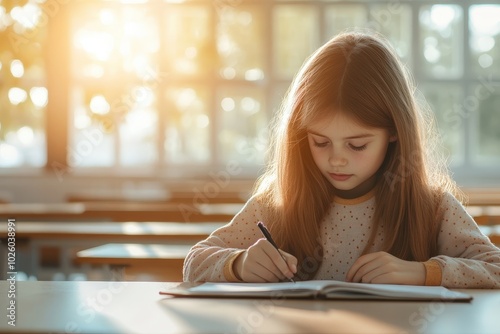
(351, 192)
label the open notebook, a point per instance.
(327, 289)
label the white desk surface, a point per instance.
(136, 307)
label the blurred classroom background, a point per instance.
(119, 114)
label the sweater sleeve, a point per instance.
(207, 260)
(467, 257)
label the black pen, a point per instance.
(270, 239)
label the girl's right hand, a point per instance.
(261, 263)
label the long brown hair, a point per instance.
(360, 75)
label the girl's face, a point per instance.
(348, 154)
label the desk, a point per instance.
(119, 211)
(136, 307)
(124, 231)
(159, 262)
(71, 236)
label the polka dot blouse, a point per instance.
(467, 258)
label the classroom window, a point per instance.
(176, 87)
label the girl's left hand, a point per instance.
(382, 267)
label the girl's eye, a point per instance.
(323, 144)
(357, 148)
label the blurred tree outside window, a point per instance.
(177, 87)
(23, 88)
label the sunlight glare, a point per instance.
(228, 73)
(17, 68)
(82, 120)
(140, 122)
(485, 60)
(484, 43)
(17, 95)
(484, 19)
(191, 52)
(184, 66)
(442, 16)
(143, 68)
(254, 74)
(228, 104)
(245, 18)
(39, 96)
(143, 96)
(26, 135)
(97, 44)
(9, 155)
(93, 71)
(133, 1)
(28, 15)
(99, 105)
(5, 19)
(249, 106)
(186, 98)
(431, 54)
(225, 46)
(202, 121)
(106, 16)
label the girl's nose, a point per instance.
(337, 161)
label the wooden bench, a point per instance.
(151, 262)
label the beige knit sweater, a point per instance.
(468, 259)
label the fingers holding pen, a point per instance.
(279, 263)
(285, 263)
(261, 262)
(290, 264)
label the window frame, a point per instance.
(58, 83)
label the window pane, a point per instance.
(187, 131)
(242, 132)
(342, 17)
(240, 43)
(487, 99)
(115, 75)
(91, 139)
(394, 21)
(189, 46)
(279, 93)
(138, 129)
(484, 25)
(23, 90)
(295, 37)
(441, 40)
(445, 101)
(111, 43)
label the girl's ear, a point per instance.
(393, 138)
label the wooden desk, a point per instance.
(119, 211)
(70, 237)
(123, 232)
(41, 210)
(132, 261)
(136, 307)
(483, 196)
